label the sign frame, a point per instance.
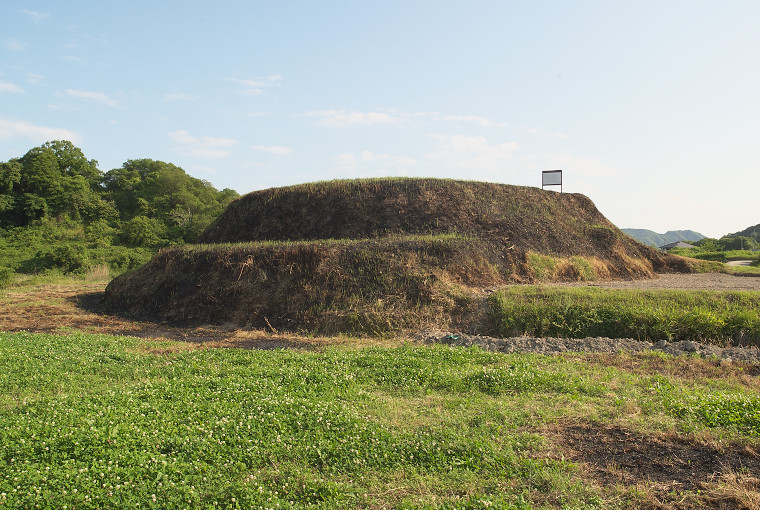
(551, 178)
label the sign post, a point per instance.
(551, 178)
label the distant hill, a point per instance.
(753, 232)
(671, 236)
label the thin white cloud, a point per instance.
(278, 150)
(13, 128)
(15, 44)
(34, 78)
(180, 96)
(538, 132)
(343, 118)
(98, 97)
(63, 107)
(75, 59)
(10, 87)
(211, 141)
(473, 152)
(469, 118)
(203, 147)
(183, 137)
(257, 86)
(35, 16)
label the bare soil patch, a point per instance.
(664, 467)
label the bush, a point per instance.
(7, 275)
(66, 258)
(144, 231)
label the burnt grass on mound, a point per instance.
(376, 255)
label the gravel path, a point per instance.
(707, 281)
(598, 344)
(696, 281)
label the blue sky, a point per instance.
(651, 108)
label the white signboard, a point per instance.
(551, 178)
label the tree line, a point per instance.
(59, 211)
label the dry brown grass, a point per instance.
(76, 306)
(379, 256)
(659, 470)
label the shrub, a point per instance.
(7, 275)
(69, 259)
(144, 231)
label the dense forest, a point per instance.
(60, 212)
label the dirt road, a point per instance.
(739, 263)
(697, 281)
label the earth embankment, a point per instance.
(373, 256)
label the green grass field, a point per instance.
(94, 421)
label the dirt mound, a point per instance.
(531, 219)
(379, 255)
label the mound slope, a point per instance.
(531, 218)
(379, 254)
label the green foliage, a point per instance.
(7, 276)
(648, 315)
(144, 231)
(752, 232)
(66, 258)
(50, 246)
(542, 266)
(61, 197)
(583, 268)
(725, 244)
(713, 409)
(145, 188)
(52, 180)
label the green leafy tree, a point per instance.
(59, 211)
(10, 176)
(163, 191)
(52, 180)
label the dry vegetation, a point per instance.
(378, 256)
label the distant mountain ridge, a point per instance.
(753, 232)
(651, 238)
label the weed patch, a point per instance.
(648, 315)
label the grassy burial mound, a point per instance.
(379, 255)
